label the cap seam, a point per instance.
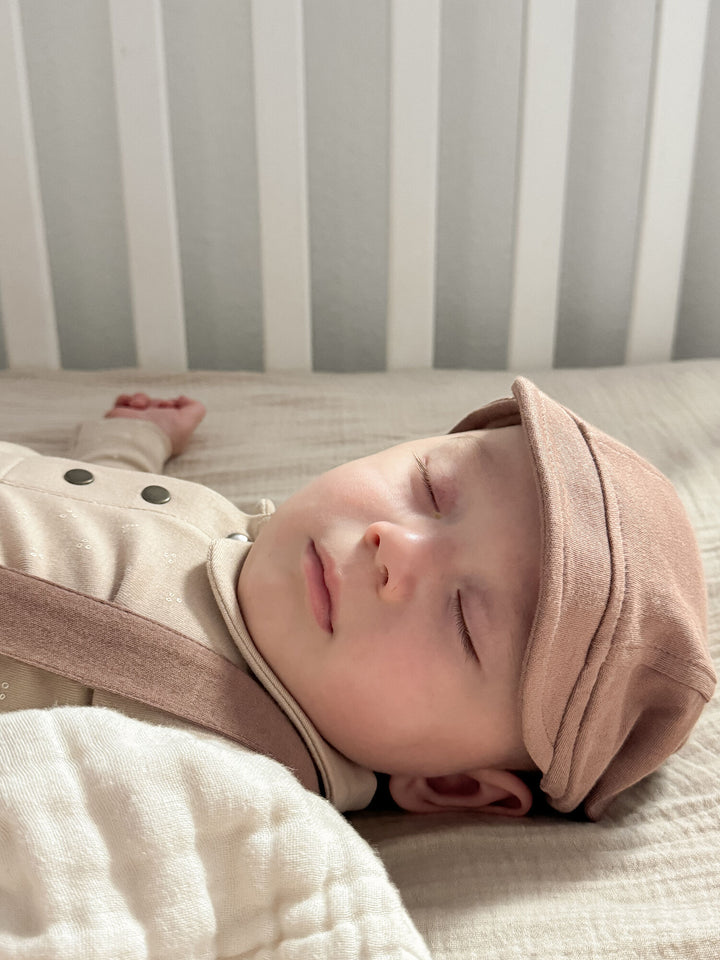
(549, 446)
(663, 650)
(637, 460)
(685, 683)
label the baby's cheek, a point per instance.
(378, 688)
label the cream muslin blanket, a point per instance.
(122, 840)
(125, 840)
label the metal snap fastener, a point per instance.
(237, 536)
(78, 476)
(155, 494)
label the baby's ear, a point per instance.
(484, 791)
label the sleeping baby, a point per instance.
(520, 598)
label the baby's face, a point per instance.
(393, 596)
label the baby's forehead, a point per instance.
(448, 440)
(451, 444)
(481, 442)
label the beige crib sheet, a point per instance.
(645, 882)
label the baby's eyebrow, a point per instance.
(482, 451)
(452, 440)
(474, 437)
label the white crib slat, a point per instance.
(549, 44)
(414, 119)
(146, 163)
(680, 46)
(279, 73)
(27, 301)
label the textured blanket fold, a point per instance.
(124, 840)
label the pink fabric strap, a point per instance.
(105, 646)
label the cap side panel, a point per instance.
(655, 675)
(643, 749)
(575, 582)
(572, 733)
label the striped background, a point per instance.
(358, 184)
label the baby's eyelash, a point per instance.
(463, 630)
(425, 474)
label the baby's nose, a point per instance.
(400, 555)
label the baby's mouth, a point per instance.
(318, 593)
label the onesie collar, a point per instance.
(346, 785)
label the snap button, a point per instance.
(155, 494)
(78, 476)
(237, 536)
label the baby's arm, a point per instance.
(161, 429)
(178, 417)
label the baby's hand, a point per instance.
(178, 417)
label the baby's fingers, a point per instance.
(138, 401)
